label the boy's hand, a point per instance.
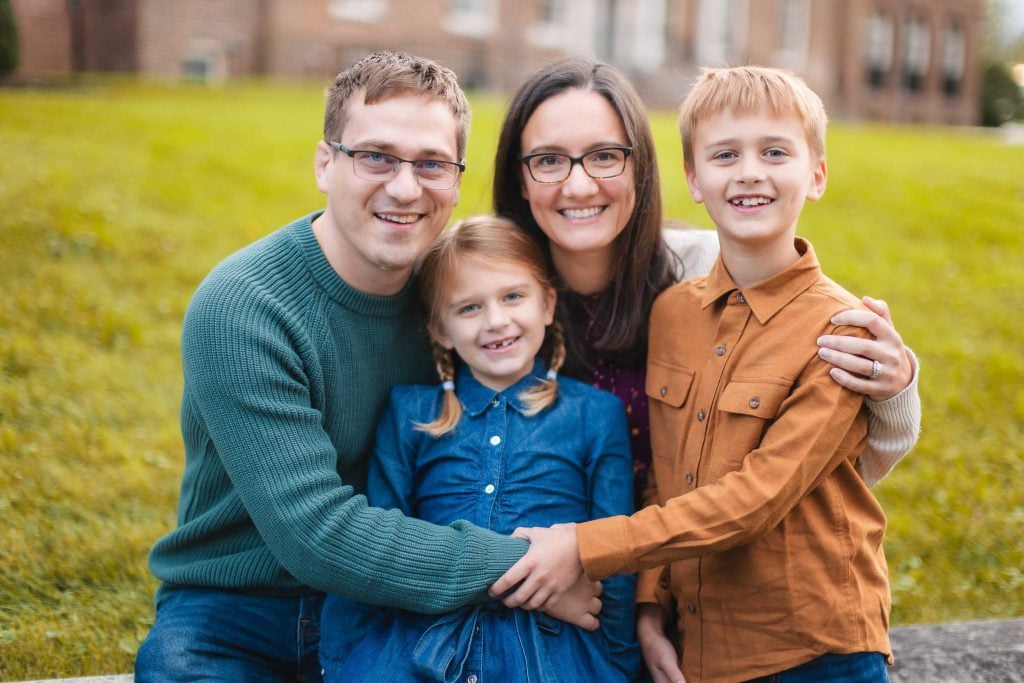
(854, 357)
(659, 654)
(548, 569)
(579, 606)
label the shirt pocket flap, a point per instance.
(759, 399)
(669, 384)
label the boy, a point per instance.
(771, 537)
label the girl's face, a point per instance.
(494, 315)
(580, 215)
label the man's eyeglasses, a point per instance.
(549, 167)
(378, 167)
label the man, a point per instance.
(290, 347)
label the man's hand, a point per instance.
(548, 569)
(659, 654)
(579, 605)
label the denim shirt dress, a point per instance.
(500, 470)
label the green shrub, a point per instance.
(8, 39)
(1001, 98)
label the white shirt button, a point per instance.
(495, 440)
(489, 488)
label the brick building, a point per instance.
(899, 60)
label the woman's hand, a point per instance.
(660, 655)
(855, 358)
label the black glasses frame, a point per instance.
(526, 158)
(415, 163)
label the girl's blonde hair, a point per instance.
(752, 89)
(487, 239)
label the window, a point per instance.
(721, 32)
(367, 11)
(793, 22)
(879, 48)
(916, 52)
(954, 56)
(639, 40)
(552, 30)
(471, 17)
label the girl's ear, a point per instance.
(437, 333)
(550, 299)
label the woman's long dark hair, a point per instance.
(643, 265)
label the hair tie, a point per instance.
(448, 385)
(552, 375)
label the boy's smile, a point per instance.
(753, 172)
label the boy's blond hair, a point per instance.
(752, 89)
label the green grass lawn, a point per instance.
(116, 199)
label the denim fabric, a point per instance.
(862, 667)
(206, 634)
(500, 469)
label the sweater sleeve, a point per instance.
(893, 428)
(252, 391)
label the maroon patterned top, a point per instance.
(625, 379)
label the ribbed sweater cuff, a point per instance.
(894, 426)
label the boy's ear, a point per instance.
(693, 184)
(819, 176)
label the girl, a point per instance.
(503, 442)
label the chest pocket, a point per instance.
(756, 399)
(746, 408)
(667, 387)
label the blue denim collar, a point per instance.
(476, 398)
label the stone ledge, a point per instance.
(964, 652)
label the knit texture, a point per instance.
(287, 370)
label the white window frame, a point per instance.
(954, 52)
(364, 11)
(639, 40)
(880, 41)
(794, 34)
(471, 17)
(721, 32)
(917, 46)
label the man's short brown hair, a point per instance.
(389, 74)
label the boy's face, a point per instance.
(753, 172)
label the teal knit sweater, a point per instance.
(287, 370)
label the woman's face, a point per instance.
(581, 216)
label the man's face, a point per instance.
(372, 232)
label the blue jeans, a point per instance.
(206, 634)
(863, 667)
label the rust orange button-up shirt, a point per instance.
(773, 540)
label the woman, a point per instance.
(601, 227)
